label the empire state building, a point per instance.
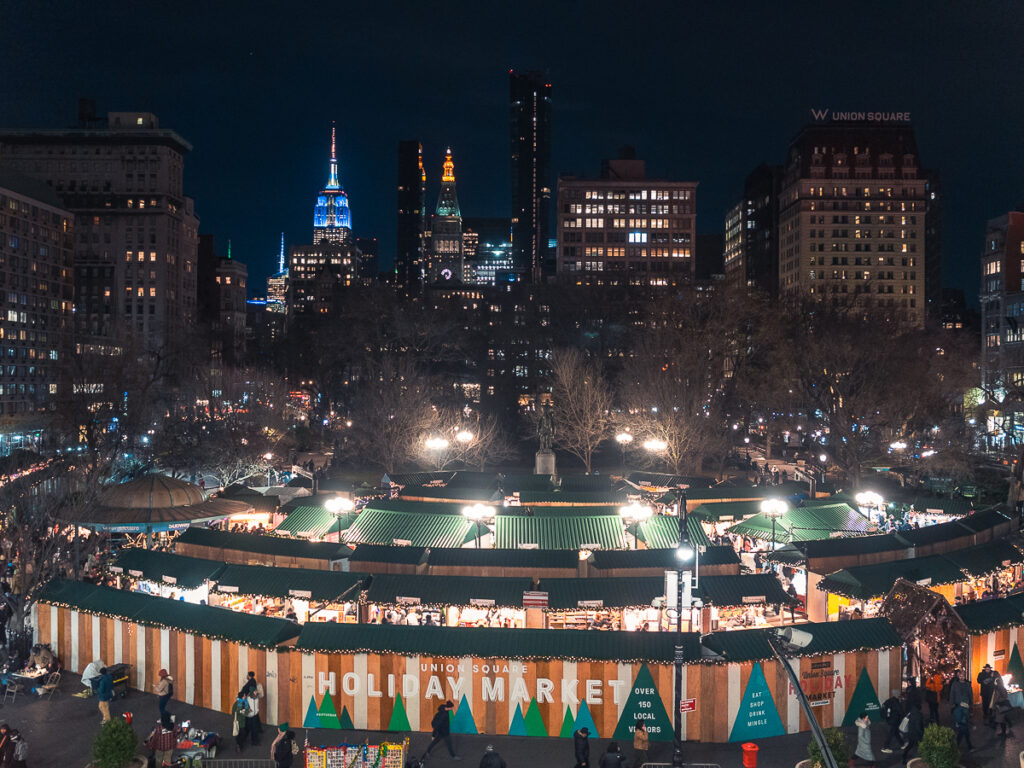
(332, 218)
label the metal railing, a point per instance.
(237, 762)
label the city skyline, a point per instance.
(247, 101)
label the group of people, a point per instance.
(245, 713)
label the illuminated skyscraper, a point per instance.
(332, 218)
(277, 283)
(412, 211)
(446, 256)
(530, 100)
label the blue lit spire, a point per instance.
(280, 257)
(332, 218)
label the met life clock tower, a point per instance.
(445, 260)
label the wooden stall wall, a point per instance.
(996, 648)
(503, 696)
(207, 673)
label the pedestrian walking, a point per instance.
(932, 690)
(20, 749)
(641, 743)
(492, 759)
(613, 757)
(912, 729)
(239, 716)
(960, 693)
(581, 747)
(962, 725)
(282, 750)
(6, 746)
(999, 706)
(162, 741)
(987, 681)
(164, 689)
(105, 693)
(863, 751)
(441, 730)
(253, 696)
(893, 714)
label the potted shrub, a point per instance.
(836, 742)
(938, 747)
(115, 745)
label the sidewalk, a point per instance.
(60, 733)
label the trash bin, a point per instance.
(750, 755)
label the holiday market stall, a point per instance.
(297, 594)
(448, 601)
(521, 682)
(995, 634)
(253, 549)
(165, 575)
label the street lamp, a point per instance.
(338, 505)
(478, 513)
(464, 436)
(654, 445)
(623, 439)
(636, 514)
(267, 457)
(684, 552)
(438, 445)
(775, 509)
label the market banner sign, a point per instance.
(300, 593)
(481, 601)
(226, 588)
(752, 599)
(757, 717)
(590, 603)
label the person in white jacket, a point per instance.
(91, 677)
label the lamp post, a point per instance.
(774, 509)
(464, 436)
(684, 551)
(338, 506)
(478, 513)
(267, 457)
(635, 513)
(623, 439)
(437, 445)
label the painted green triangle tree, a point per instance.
(327, 714)
(757, 717)
(345, 720)
(567, 723)
(463, 721)
(534, 720)
(864, 699)
(399, 718)
(645, 704)
(1015, 667)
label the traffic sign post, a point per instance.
(687, 705)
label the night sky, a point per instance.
(704, 91)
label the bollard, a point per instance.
(749, 755)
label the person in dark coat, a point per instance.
(613, 757)
(892, 713)
(492, 759)
(581, 747)
(960, 692)
(962, 725)
(987, 681)
(6, 745)
(915, 731)
(441, 730)
(999, 706)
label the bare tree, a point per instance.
(582, 402)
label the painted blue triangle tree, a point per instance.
(757, 717)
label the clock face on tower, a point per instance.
(446, 274)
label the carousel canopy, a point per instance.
(203, 620)
(156, 503)
(178, 570)
(487, 643)
(559, 532)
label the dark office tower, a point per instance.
(530, 98)
(751, 233)
(412, 188)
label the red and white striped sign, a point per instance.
(535, 599)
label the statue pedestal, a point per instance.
(544, 463)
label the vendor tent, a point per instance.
(662, 532)
(558, 532)
(805, 523)
(414, 528)
(604, 593)
(757, 588)
(727, 511)
(866, 582)
(181, 571)
(314, 522)
(393, 589)
(260, 581)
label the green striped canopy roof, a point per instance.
(556, 532)
(420, 530)
(314, 522)
(662, 532)
(177, 570)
